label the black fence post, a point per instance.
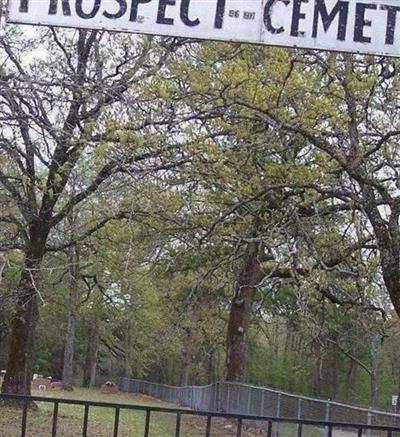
(24, 417)
(55, 419)
(85, 421)
(147, 425)
(116, 422)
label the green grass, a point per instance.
(101, 420)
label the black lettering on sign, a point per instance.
(296, 17)
(220, 14)
(162, 7)
(23, 6)
(341, 8)
(267, 16)
(53, 8)
(361, 22)
(91, 14)
(391, 22)
(134, 9)
(122, 9)
(249, 15)
(185, 14)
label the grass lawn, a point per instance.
(101, 420)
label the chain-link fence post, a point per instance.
(262, 402)
(278, 413)
(369, 421)
(249, 401)
(228, 398)
(299, 402)
(327, 417)
(217, 397)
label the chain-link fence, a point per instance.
(250, 400)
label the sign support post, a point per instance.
(3, 16)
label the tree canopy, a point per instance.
(189, 212)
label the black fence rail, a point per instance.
(239, 422)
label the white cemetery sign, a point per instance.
(361, 26)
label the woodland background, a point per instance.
(189, 212)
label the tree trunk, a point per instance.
(68, 370)
(351, 379)
(387, 235)
(331, 370)
(374, 357)
(186, 358)
(397, 407)
(210, 367)
(56, 364)
(128, 341)
(317, 370)
(19, 369)
(3, 336)
(186, 366)
(240, 315)
(89, 372)
(374, 388)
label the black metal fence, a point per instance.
(240, 423)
